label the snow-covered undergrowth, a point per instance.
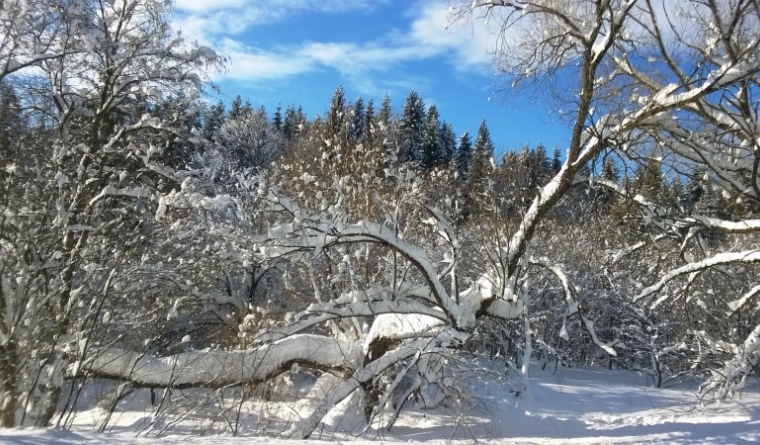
(579, 406)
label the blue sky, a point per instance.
(298, 51)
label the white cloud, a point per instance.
(252, 67)
(206, 5)
(234, 16)
(218, 24)
(466, 45)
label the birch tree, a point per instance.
(94, 70)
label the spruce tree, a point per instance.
(277, 118)
(291, 123)
(213, 120)
(604, 198)
(693, 190)
(358, 121)
(431, 145)
(464, 156)
(370, 121)
(650, 183)
(482, 154)
(386, 113)
(247, 109)
(540, 167)
(301, 120)
(384, 131)
(412, 129)
(336, 116)
(236, 109)
(448, 143)
(556, 163)
(11, 120)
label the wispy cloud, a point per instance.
(231, 17)
(221, 22)
(467, 45)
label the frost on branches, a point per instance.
(107, 86)
(137, 249)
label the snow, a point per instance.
(218, 368)
(738, 304)
(570, 406)
(395, 325)
(749, 256)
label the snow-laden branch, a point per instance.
(652, 211)
(215, 368)
(320, 313)
(109, 190)
(738, 304)
(732, 377)
(192, 200)
(747, 256)
(573, 306)
(633, 248)
(307, 232)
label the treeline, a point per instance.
(420, 138)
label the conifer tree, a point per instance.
(386, 113)
(556, 162)
(650, 183)
(412, 129)
(464, 155)
(448, 143)
(482, 154)
(385, 133)
(301, 119)
(247, 109)
(370, 122)
(277, 118)
(358, 121)
(693, 190)
(336, 116)
(291, 123)
(709, 200)
(604, 197)
(214, 119)
(236, 109)
(11, 120)
(540, 167)
(431, 145)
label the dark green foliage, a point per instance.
(604, 198)
(481, 155)
(431, 146)
(291, 123)
(464, 155)
(358, 121)
(11, 119)
(277, 118)
(386, 113)
(214, 119)
(336, 115)
(412, 129)
(556, 162)
(448, 143)
(370, 121)
(649, 182)
(236, 108)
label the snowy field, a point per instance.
(571, 406)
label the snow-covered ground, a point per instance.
(570, 406)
